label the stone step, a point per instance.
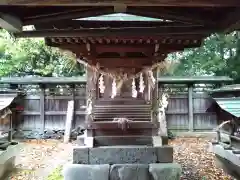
(123, 155)
(161, 171)
(118, 113)
(125, 106)
(122, 140)
(126, 110)
(124, 101)
(131, 118)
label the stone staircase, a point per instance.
(135, 110)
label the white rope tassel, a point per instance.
(141, 84)
(165, 100)
(101, 84)
(152, 77)
(114, 88)
(134, 91)
(89, 107)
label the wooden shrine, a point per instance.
(122, 55)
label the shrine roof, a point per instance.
(52, 19)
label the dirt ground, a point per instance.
(42, 157)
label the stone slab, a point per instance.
(86, 172)
(165, 171)
(122, 155)
(122, 140)
(81, 155)
(7, 159)
(129, 172)
(165, 154)
(226, 154)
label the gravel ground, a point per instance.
(197, 161)
(41, 157)
(38, 158)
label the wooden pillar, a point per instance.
(73, 90)
(154, 99)
(42, 106)
(90, 94)
(190, 108)
(91, 88)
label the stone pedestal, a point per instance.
(123, 163)
(7, 159)
(160, 171)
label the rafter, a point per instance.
(161, 13)
(10, 23)
(232, 21)
(148, 49)
(68, 15)
(189, 3)
(77, 24)
(101, 32)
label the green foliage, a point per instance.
(219, 55)
(56, 174)
(21, 57)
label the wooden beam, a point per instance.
(68, 15)
(232, 21)
(190, 108)
(10, 23)
(42, 107)
(127, 62)
(125, 48)
(76, 24)
(178, 16)
(148, 51)
(101, 32)
(188, 3)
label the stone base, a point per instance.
(99, 141)
(123, 155)
(228, 160)
(7, 159)
(161, 171)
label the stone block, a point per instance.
(165, 171)
(7, 159)
(122, 155)
(129, 172)
(86, 172)
(80, 140)
(7, 166)
(81, 155)
(157, 141)
(164, 154)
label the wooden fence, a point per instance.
(46, 108)
(186, 113)
(45, 111)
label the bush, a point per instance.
(56, 174)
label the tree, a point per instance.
(21, 57)
(219, 55)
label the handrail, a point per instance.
(219, 127)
